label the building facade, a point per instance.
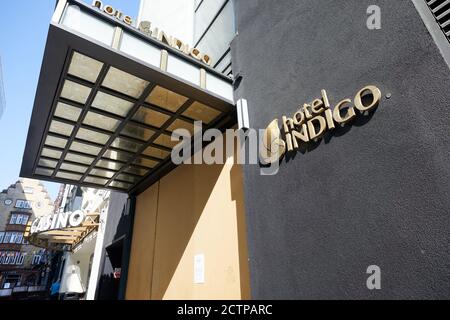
(23, 267)
(351, 102)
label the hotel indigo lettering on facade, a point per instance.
(312, 121)
(146, 28)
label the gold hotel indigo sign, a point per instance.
(146, 28)
(312, 121)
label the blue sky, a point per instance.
(23, 33)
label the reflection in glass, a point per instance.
(48, 163)
(85, 148)
(146, 163)
(181, 124)
(135, 170)
(67, 112)
(79, 159)
(95, 180)
(75, 92)
(201, 112)
(55, 142)
(128, 178)
(120, 185)
(150, 117)
(43, 172)
(102, 173)
(92, 136)
(166, 99)
(124, 144)
(49, 153)
(112, 165)
(74, 168)
(138, 132)
(166, 141)
(109, 103)
(84, 67)
(119, 156)
(156, 153)
(99, 121)
(61, 128)
(125, 83)
(68, 176)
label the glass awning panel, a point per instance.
(109, 99)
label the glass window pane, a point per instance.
(74, 168)
(109, 103)
(181, 124)
(123, 144)
(79, 159)
(204, 16)
(69, 176)
(75, 92)
(61, 128)
(217, 39)
(95, 180)
(102, 173)
(56, 142)
(68, 112)
(99, 121)
(89, 135)
(44, 172)
(48, 163)
(119, 156)
(85, 148)
(150, 117)
(201, 112)
(84, 67)
(120, 185)
(138, 132)
(125, 83)
(166, 99)
(156, 153)
(165, 141)
(135, 170)
(112, 165)
(49, 153)
(128, 178)
(146, 163)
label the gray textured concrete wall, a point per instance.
(373, 193)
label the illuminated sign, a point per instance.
(312, 121)
(146, 28)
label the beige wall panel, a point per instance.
(141, 260)
(198, 214)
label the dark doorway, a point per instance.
(109, 283)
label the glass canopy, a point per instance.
(110, 120)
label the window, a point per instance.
(13, 219)
(2, 235)
(19, 238)
(20, 259)
(19, 219)
(23, 204)
(36, 259)
(25, 220)
(7, 237)
(13, 237)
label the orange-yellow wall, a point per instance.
(196, 209)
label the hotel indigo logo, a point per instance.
(312, 121)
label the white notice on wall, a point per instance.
(199, 269)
